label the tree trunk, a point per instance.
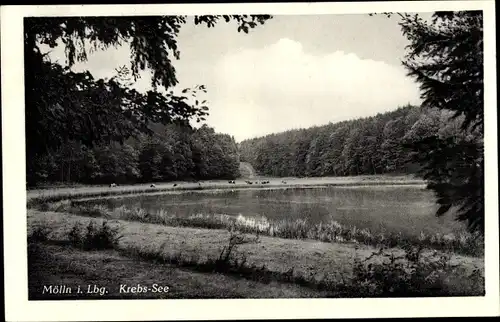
(62, 171)
(69, 164)
(373, 166)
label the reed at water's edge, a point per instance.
(332, 231)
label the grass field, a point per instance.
(315, 264)
(58, 264)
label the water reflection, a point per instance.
(403, 209)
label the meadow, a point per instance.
(57, 192)
(339, 238)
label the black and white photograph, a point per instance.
(308, 153)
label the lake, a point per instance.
(387, 209)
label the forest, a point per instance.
(172, 152)
(373, 145)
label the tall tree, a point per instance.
(446, 58)
(150, 159)
(393, 154)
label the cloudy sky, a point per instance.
(292, 72)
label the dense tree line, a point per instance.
(173, 152)
(372, 145)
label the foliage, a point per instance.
(63, 105)
(412, 273)
(446, 58)
(39, 234)
(214, 155)
(171, 153)
(455, 171)
(227, 253)
(372, 145)
(94, 238)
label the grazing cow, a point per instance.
(283, 181)
(152, 186)
(112, 185)
(231, 181)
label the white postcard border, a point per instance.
(17, 306)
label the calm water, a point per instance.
(406, 209)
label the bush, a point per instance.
(64, 205)
(94, 238)
(95, 211)
(75, 235)
(39, 234)
(409, 274)
(226, 258)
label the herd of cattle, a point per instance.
(199, 184)
(256, 182)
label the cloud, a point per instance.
(281, 86)
(253, 92)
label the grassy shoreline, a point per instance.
(274, 183)
(306, 262)
(333, 231)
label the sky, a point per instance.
(292, 72)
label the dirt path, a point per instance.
(247, 170)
